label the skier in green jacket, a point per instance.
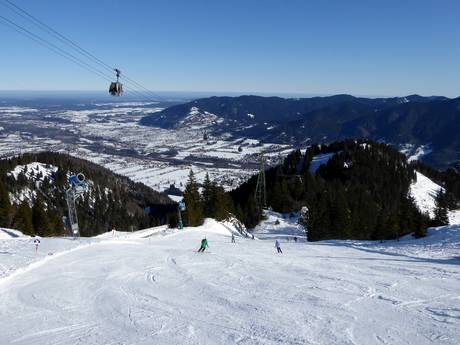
(204, 245)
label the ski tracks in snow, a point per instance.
(163, 292)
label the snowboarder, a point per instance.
(233, 238)
(36, 242)
(278, 246)
(204, 245)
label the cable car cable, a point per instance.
(43, 42)
(26, 15)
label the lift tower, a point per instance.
(261, 194)
(78, 186)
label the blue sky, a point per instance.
(374, 48)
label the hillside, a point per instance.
(412, 120)
(158, 290)
(352, 190)
(33, 188)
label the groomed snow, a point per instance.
(151, 287)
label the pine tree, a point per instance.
(39, 218)
(223, 203)
(5, 206)
(208, 203)
(421, 226)
(23, 219)
(441, 216)
(194, 210)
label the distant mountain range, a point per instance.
(416, 120)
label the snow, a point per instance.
(151, 287)
(454, 217)
(414, 153)
(424, 191)
(419, 153)
(33, 169)
(10, 233)
(176, 198)
(279, 226)
(110, 134)
(198, 119)
(320, 160)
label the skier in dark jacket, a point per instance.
(204, 245)
(278, 246)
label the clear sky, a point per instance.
(374, 48)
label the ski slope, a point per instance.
(424, 192)
(152, 287)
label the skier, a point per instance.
(204, 245)
(295, 239)
(36, 242)
(278, 246)
(233, 238)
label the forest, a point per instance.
(38, 204)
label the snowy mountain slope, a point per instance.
(35, 170)
(440, 244)
(424, 193)
(17, 254)
(158, 290)
(36, 173)
(276, 225)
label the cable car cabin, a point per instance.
(116, 89)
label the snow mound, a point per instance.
(226, 228)
(424, 191)
(441, 244)
(11, 233)
(213, 226)
(144, 233)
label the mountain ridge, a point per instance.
(413, 119)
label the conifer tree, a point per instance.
(23, 219)
(223, 203)
(5, 206)
(194, 210)
(40, 218)
(441, 212)
(421, 226)
(208, 206)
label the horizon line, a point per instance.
(233, 93)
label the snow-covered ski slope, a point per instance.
(153, 288)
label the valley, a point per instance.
(109, 134)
